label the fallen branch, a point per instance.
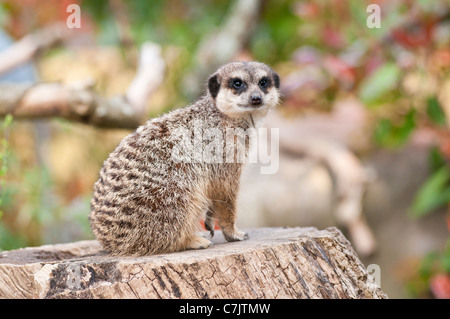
(80, 103)
(149, 76)
(26, 48)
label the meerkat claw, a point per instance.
(209, 228)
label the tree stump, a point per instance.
(273, 263)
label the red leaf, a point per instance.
(340, 70)
(332, 38)
(416, 35)
(440, 286)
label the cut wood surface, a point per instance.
(273, 263)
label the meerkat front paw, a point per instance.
(234, 235)
(198, 242)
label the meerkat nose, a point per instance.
(255, 99)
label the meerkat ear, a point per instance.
(276, 79)
(214, 85)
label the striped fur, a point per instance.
(145, 202)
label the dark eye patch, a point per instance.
(264, 83)
(237, 85)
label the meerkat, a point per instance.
(147, 201)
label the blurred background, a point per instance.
(364, 122)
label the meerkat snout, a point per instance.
(255, 99)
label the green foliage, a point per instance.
(434, 111)
(436, 159)
(6, 238)
(4, 14)
(277, 35)
(41, 203)
(185, 23)
(9, 240)
(381, 81)
(160, 21)
(392, 135)
(4, 151)
(434, 193)
(433, 263)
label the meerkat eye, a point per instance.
(263, 82)
(237, 84)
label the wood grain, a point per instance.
(273, 263)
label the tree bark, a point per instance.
(273, 263)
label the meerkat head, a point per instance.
(240, 89)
